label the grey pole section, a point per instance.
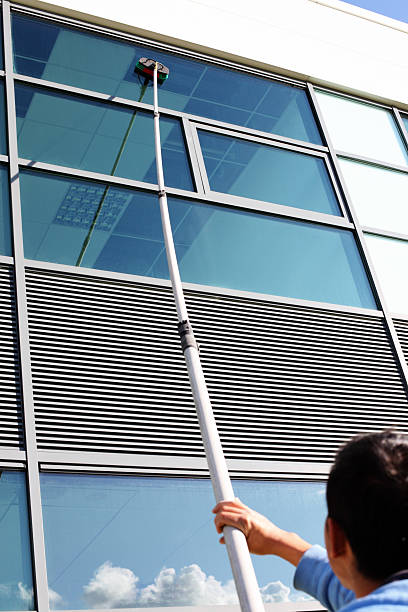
(240, 560)
(33, 477)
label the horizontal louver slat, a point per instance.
(287, 382)
(11, 418)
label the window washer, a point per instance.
(366, 530)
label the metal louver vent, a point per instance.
(287, 382)
(11, 418)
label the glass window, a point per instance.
(3, 136)
(75, 132)
(124, 542)
(82, 223)
(5, 220)
(405, 120)
(16, 582)
(48, 51)
(362, 129)
(267, 173)
(379, 195)
(390, 259)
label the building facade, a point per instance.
(288, 202)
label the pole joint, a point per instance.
(186, 334)
(156, 113)
(162, 193)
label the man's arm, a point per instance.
(263, 537)
(314, 574)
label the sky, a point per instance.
(397, 9)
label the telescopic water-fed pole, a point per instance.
(240, 560)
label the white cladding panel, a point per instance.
(327, 40)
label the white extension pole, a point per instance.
(240, 560)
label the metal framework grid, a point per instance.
(31, 459)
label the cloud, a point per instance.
(26, 594)
(275, 592)
(191, 587)
(54, 598)
(117, 587)
(111, 587)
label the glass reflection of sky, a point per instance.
(48, 51)
(5, 217)
(363, 129)
(79, 133)
(267, 173)
(3, 137)
(379, 195)
(146, 524)
(15, 558)
(215, 245)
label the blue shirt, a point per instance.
(315, 576)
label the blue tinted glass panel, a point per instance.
(129, 542)
(267, 173)
(405, 120)
(5, 221)
(61, 54)
(16, 582)
(3, 136)
(72, 131)
(215, 245)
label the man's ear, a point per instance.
(336, 540)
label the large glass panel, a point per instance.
(390, 258)
(48, 51)
(72, 131)
(124, 542)
(16, 582)
(267, 173)
(81, 223)
(379, 195)
(3, 136)
(362, 129)
(5, 221)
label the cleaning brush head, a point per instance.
(145, 67)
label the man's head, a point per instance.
(367, 497)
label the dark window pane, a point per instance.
(16, 582)
(125, 542)
(3, 137)
(65, 55)
(267, 173)
(72, 131)
(5, 221)
(215, 245)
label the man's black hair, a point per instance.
(367, 494)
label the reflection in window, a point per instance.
(16, 583)
(390, 259)
(72, 131)
(5, 220)
(115, 542)
(405, 120)
(215, 245)
(48, 51)
(379, 195)
(3, 139)
(267, 173)
(363, 129)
